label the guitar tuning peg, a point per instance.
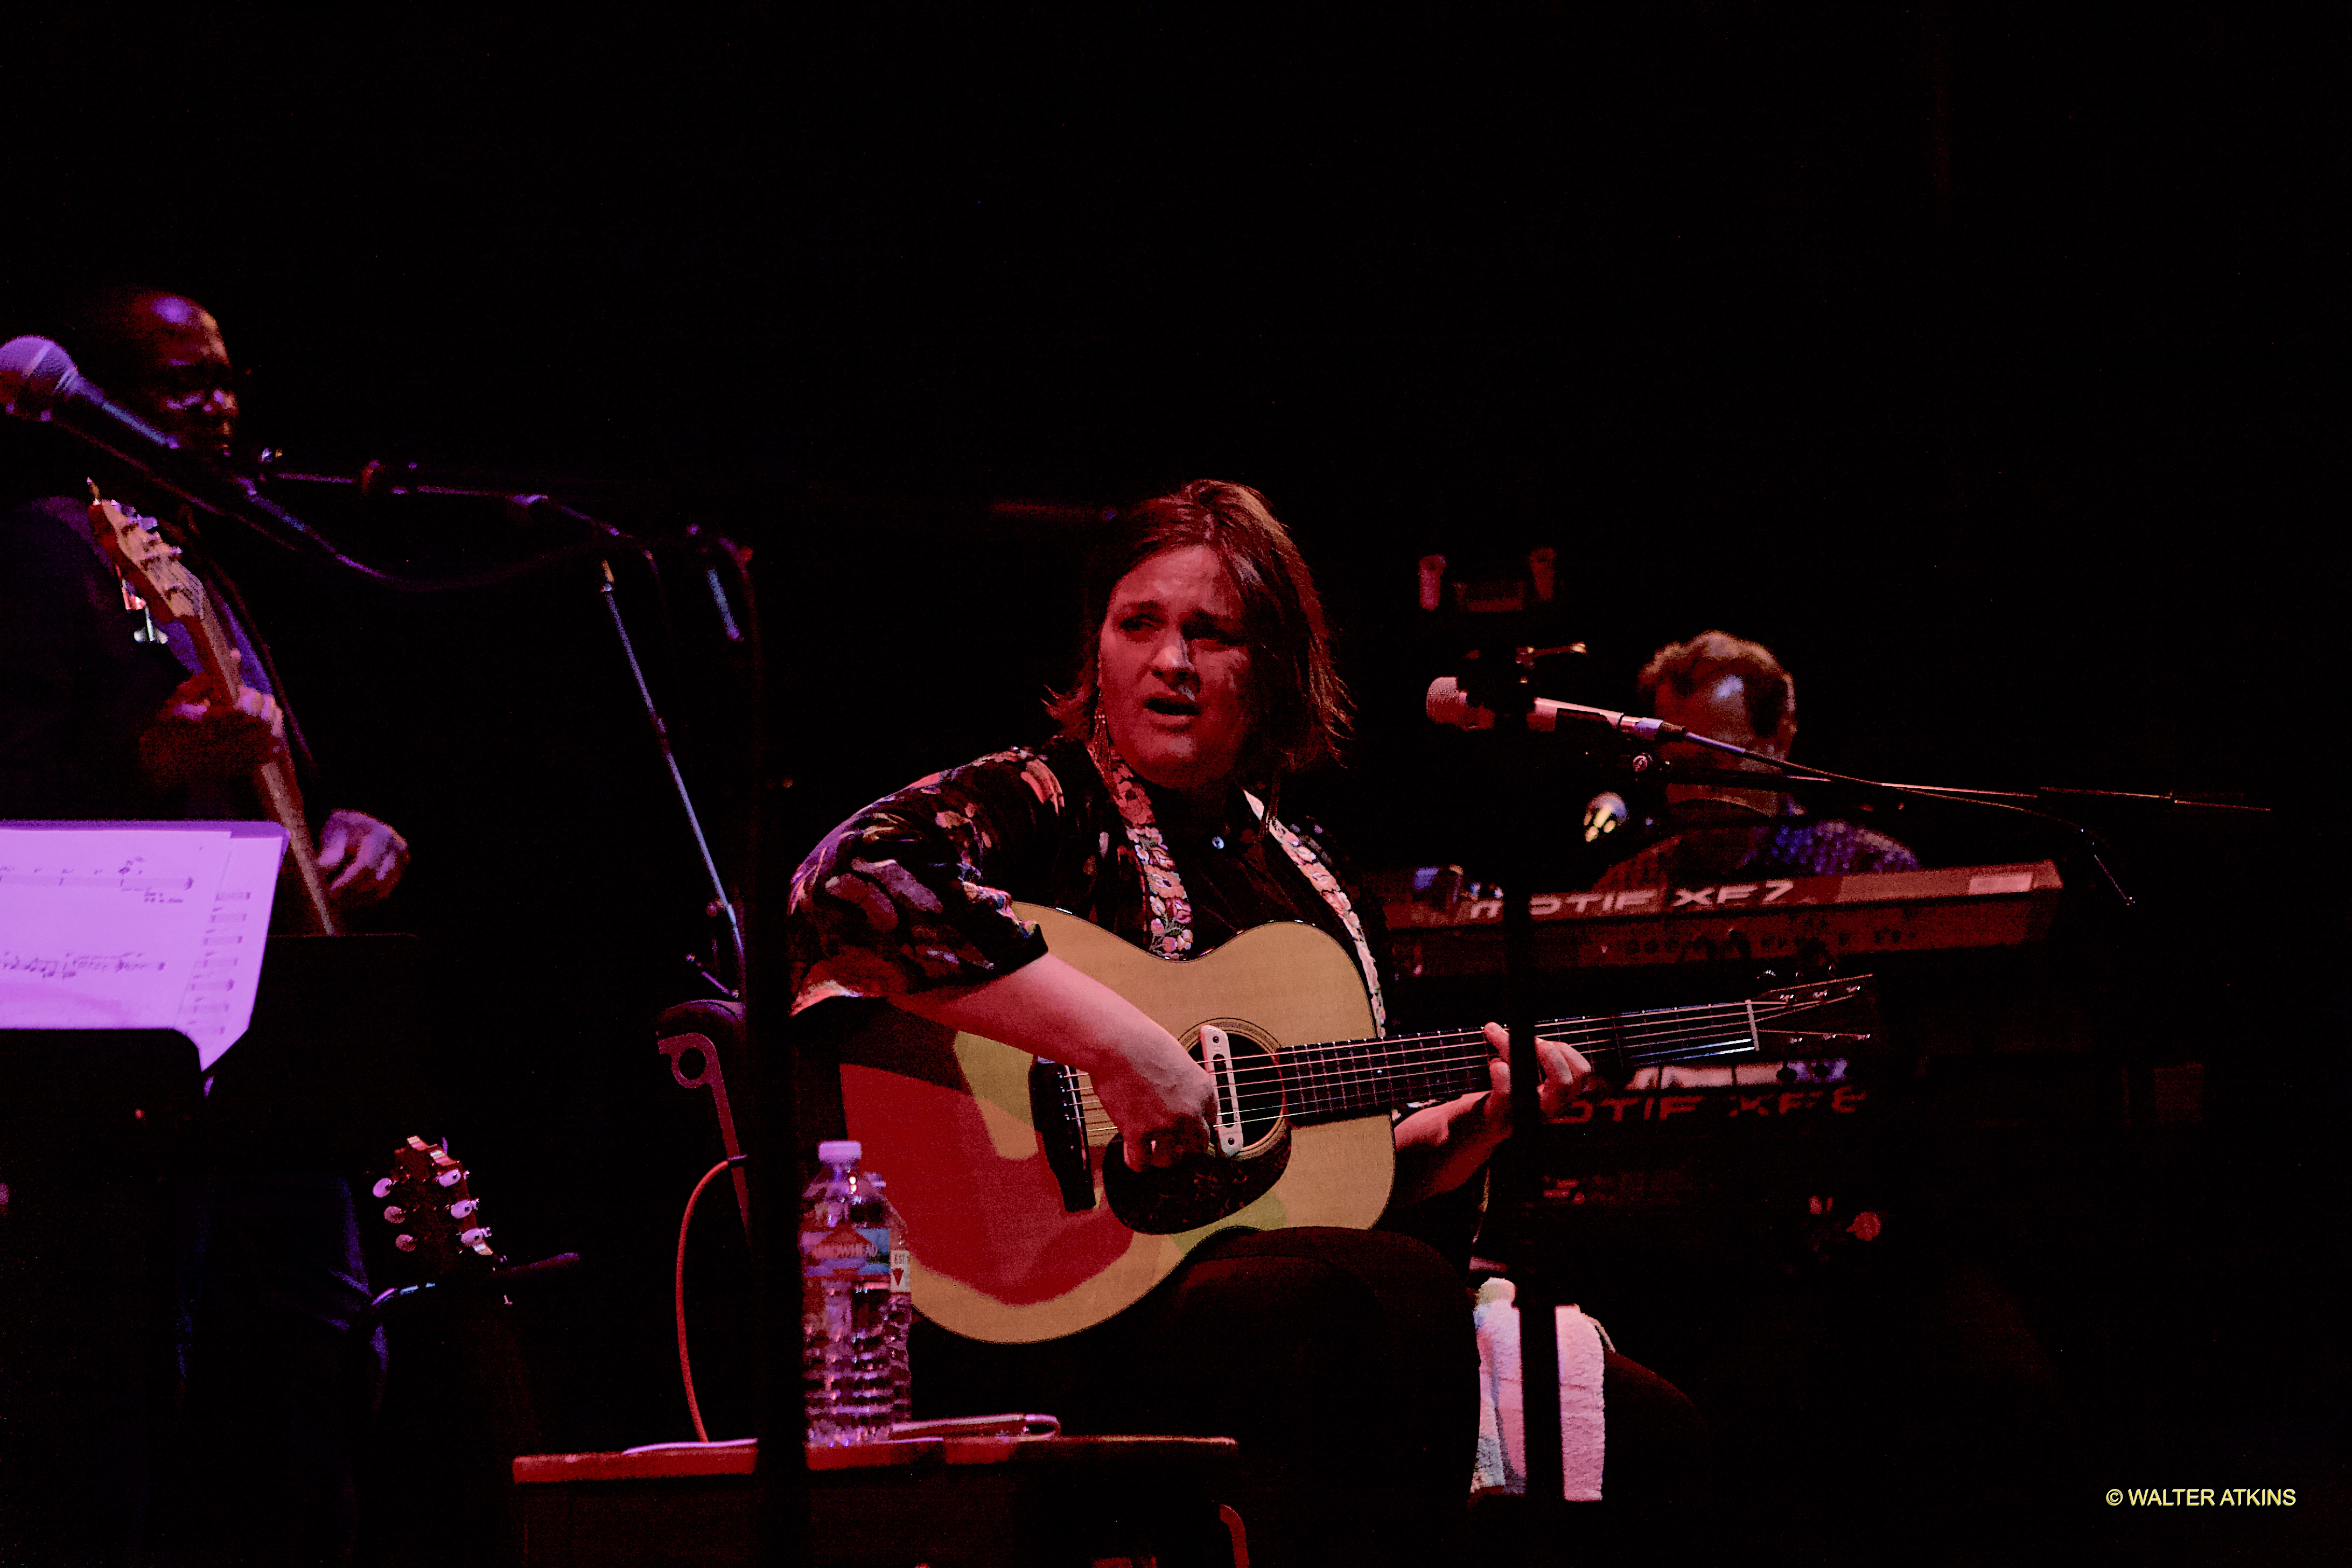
(383, 1187)
(406, 1242)
(463, 1208)
(477, 1238)
(451, 1177)
(393, 1214)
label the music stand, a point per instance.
(92, 1124)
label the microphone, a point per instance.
(38, 381)
(1447, 704)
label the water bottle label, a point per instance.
(847, 1252)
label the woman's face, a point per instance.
(1173, 672)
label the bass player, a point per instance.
(104, 716)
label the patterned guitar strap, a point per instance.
(1169, 913)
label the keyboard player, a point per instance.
(1733, 689)
(1922, 1363)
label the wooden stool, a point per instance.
(949, 1502)
(680, 1505)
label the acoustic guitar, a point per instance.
(1025, 1223)
(458, 1404)
(430, 1204)
(151, 569)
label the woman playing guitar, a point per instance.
(1341, 1357)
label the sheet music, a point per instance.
(136, 926)
(217, 1006)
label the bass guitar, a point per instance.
(151, 569)
(1025, 1223)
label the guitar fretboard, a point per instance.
(1348, 1079)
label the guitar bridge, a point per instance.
(1061, 1123)
(1217, 1055)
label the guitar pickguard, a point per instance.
(1198, 1190)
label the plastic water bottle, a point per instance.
(854, 1307)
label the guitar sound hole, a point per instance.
(1202, 1189)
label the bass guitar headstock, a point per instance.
(148, 566)
(435, 1219)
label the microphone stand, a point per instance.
(1505, 685)
(1787, 778)
(782, 1421)
(722, 905)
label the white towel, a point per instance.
(1502, 1415)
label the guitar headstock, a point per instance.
(433, 1210)
(148, 566)
(1834, 1014)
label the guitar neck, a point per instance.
(282, 797)
(1360, 1077)
(274, 781)
(152, 567)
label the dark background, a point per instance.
(1985, 363)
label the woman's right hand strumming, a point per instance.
(1161, 1100)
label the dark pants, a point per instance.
(184, 1368)
(281, 1368)
(1343, 1361)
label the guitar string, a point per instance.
(1308, 1062)
(1635, 1024)
(1341, 1084)
(1259, 1097)
(1331, 1075)
(1696, 1049)
(1322, 1068)
(1697, 1045)
(1101, 1130)
(1434, 1080)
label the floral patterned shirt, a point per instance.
(915, 891)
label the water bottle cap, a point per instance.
(839, 1151)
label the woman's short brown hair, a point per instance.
(1298, 706)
